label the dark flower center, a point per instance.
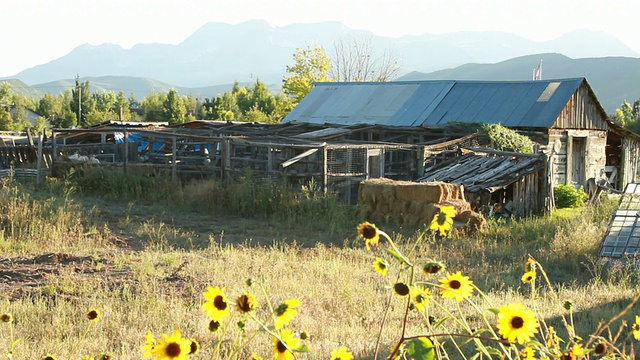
(401, 289)
(92, 315)
(282, 309)
(455, 284)
(219, 303)
(193, 348)
(517, 322)
(281, 348)
(369, 232)
(173, 349)
(244, 303)
(214, 326)
(600, 349)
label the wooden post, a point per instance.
(174, 158)
(325, 177)
(39, 162)
(126, 150)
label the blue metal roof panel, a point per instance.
(415, 103)
(420, 103)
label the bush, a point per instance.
(567, 196)
(506, 139)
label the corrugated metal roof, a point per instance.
(418, 103)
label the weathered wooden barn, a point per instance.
(563, 116)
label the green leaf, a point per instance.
(421, 349)
(494, 310)
(395, 255)
(302, 349)
(440, 322)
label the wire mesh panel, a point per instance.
(623, 235)
(347, 161)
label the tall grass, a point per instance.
(159, 286)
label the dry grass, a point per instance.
(145, 268)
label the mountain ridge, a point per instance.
(219, 53)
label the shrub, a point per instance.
(506, 139)
(567, 196)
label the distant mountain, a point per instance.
(613, 79)
(220, 53)
(140, 87)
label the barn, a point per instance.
(563, 116)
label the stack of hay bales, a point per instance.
(413, 204)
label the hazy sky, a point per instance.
(34, 32)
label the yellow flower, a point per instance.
(216, 305)
(456, 286)
(528, 354)
(551, 337)
(282, 346)
(194, 346)
(420, 297)
(6, 318)
(529, 276)
(246, 302)
(341, 353)
(636, 328)
(93, 315)
(286, 312)
(517, 323)
(149, 343)
(443, 220)
(578, 350)
(530, 264)
(171, 347)
(369, 232)
(380, 266)
(255, 356)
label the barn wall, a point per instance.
(630, 161)
(582, 112)
(570, 165)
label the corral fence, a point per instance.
(335, 166)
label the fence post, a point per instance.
(126, 150)
(174, 158)
(39, 162)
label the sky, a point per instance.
(34, 32)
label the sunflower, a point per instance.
(216, 305)
(285, 312)
(528, 354)
(552, 337)
(419, 297)
(529, 276)
(380, 266)
(246, 302)
(341, 353)
(194, 346)
(369, 232)
(530, 264)
(149, 344)
(171, 347)
(93, 315)
(443, 220)
(432, 267)
(49, 357)
(456, 286)
(282, 347)
(517, 323)
(6, 318)
(636, 328)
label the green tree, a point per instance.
(174, 109)
(153, 106)
(311, 65)
(629, 116)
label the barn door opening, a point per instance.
(375, 163)
(578, 155)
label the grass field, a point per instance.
(144, 261)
